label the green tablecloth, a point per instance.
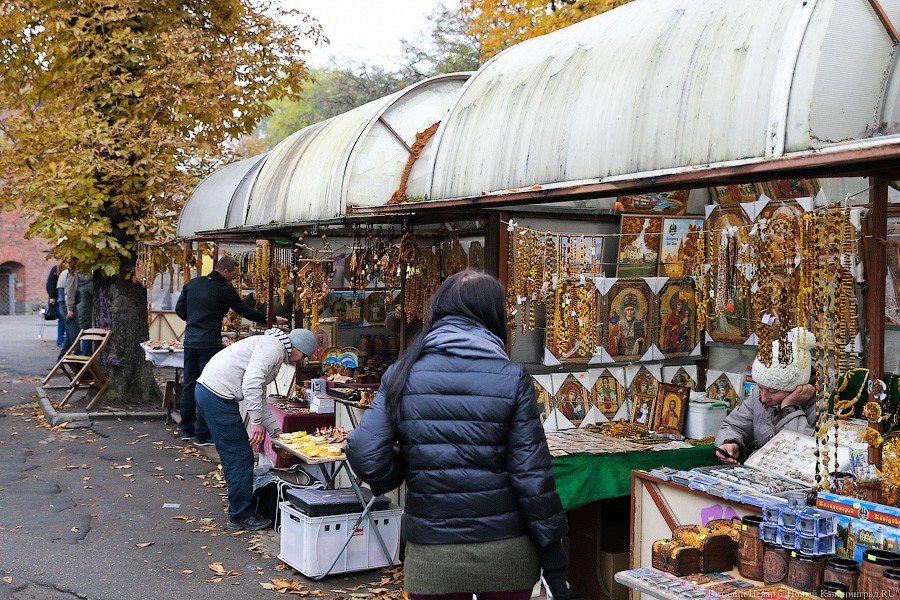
(583, 478)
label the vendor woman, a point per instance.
(783, 400)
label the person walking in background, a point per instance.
(243, 371)
(203, 304)
(458, 421)
(66, 302)
(85, 309)
(52, 279)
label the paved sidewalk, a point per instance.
(122, 510)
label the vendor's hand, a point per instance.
(280, 321)
(398, 311)
(732, 449)
(257, 434)
(800, 396)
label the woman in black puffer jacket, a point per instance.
(459, 422)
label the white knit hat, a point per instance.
(787, 377)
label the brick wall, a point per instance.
(26, 258)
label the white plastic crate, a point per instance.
(309, 544)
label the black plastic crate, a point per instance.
(319, 503)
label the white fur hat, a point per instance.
(787, 377)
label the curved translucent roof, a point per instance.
(353, 158)
(220, 200)
(656, 85)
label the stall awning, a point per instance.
(354, 158)
(663, 86)
(221, 199)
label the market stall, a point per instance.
(705, 199)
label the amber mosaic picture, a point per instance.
(735, 194)
(678, 245)
(643, 389)
(628, 326)
(669, 409)
(678, 331)
(376, 307)
(543, 398)
(722, 390)
(639, 242)
(572, 399)
(608, 395)
(661, 203)
(683, 378)
(789, 188)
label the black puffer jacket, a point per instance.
(471, 446)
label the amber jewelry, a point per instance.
(873, 437)
(872, 412)
(846, 408)
(409, 249)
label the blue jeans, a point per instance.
(71, 328)
(233, 445)
(60, 323)
(192, 422)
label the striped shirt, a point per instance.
(281, 337)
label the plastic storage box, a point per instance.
(309, 544)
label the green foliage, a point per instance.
(116, 108)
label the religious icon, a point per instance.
(375, 307)
(669, 409)
(660, 203)
(731, 324)
(544, 400)
(789, 188)
(683, 378)
(722, 390)
(722, 218)
(607, 394)
(572, 399)
(781, 231)
(639, 241)
(643, 389)
(678, 246)
(629, 330)
(325, 330)
(678, 332)
(735, 194)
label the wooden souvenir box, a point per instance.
(674, 557)
(715, 548)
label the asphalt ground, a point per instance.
(123, 509)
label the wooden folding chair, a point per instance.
(82, 371)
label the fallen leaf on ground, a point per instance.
(144, 544)
(185, 572)
(218, 569)
(7, 580)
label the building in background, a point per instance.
(23, 266)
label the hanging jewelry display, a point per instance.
(476, 256)
(572, 321)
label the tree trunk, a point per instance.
(121, 307)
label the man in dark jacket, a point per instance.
(52, 279)
(203, 303)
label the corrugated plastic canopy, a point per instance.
(658, 85)
(353, 158)
(218, 201)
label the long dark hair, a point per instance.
(471, 294)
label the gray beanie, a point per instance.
(303, 340)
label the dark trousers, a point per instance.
(192, 421)
(233, 445)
